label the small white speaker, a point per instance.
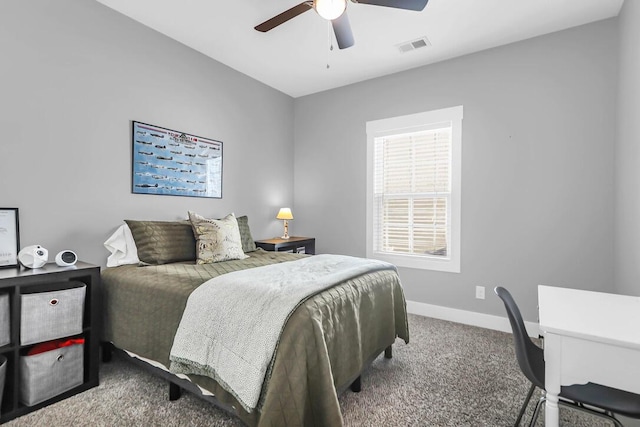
(66, 258)
(34, 256)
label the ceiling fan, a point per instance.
(335, 11)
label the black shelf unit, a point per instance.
(16, 281)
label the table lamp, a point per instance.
(285, 214)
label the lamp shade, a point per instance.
(330, 9)
(284, 213)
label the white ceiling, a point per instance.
(293, 57)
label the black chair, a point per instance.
(602, 401)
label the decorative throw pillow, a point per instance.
(162, 242)
(248, 245)
(218, 239)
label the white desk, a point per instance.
(588, 337)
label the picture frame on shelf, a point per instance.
(9, 237)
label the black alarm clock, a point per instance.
(66, 258)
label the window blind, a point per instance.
(412, 192)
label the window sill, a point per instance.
(449, 265)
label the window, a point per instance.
(413, 189)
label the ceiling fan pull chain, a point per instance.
(330, 42)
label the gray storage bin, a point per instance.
(3, 374)
(5, 336)
(48, 374)
(46, 316)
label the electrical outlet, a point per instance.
(480, 292)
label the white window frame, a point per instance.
(415, 123)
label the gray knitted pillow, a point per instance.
(162, 242)
(248, 245)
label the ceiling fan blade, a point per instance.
(397, 4)
(342, 30)
(284, 16)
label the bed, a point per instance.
(325, 343)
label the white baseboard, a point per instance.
(487, 321)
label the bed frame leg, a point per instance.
(388, 353)
(174, 391)
(356, 386)
(107, 352)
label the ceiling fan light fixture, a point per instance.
(330, 9)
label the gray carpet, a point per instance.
(449, 375)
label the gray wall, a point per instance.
(537, 152)
(537, 168)
(73, 74)
(627, 207)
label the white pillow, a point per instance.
(122, 247)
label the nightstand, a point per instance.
(300, 245)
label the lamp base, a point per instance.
(285, 237)
(286, 230)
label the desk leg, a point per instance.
(551, 411)
(553, 371)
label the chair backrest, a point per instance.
(530, 356)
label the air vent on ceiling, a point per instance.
(414, 44)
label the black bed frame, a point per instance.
(177, 384)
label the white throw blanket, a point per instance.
(232, 323)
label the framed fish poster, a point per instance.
(173, 163)
(9, 237)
